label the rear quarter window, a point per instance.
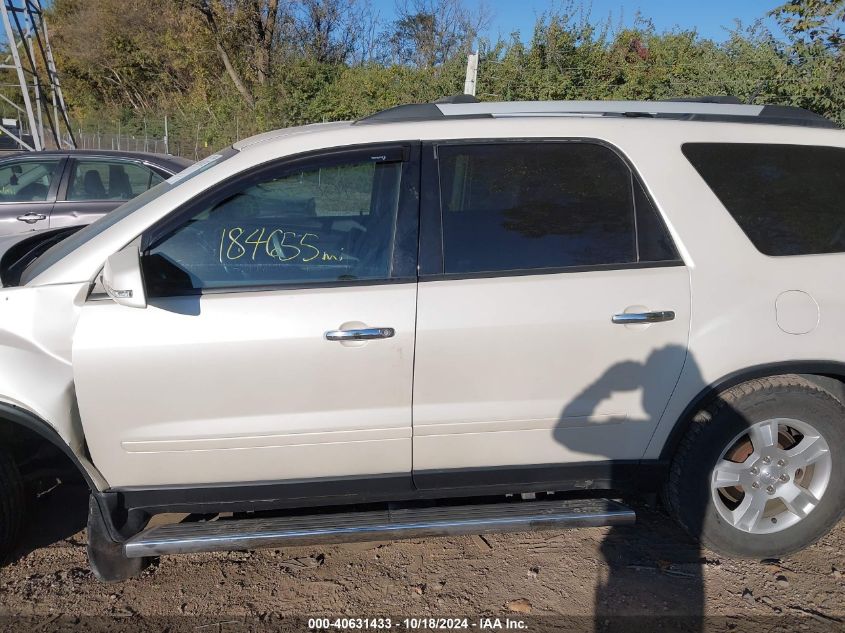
(788, 199)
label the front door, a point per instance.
(27, 193)
(552, 317)
(278, 340)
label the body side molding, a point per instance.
(646, 476)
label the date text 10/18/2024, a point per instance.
(421, 623)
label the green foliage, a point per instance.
(141, 61)
(813, 70)
(817, 22)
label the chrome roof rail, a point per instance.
(724, 109)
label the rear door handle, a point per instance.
(626, 318)
(363, 334)
(31, 218)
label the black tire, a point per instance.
(105, 555)
(13, 505)
(687, 493)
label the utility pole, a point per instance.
(472, 74)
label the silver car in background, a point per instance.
(55, 189)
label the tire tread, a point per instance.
(12, 505)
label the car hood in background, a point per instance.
(19, 249)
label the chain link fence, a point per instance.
(151, 138)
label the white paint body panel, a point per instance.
(36, 330)
(530, 369)
(148, 380)
(244, 387)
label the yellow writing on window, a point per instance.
(277, 244)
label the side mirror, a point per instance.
(121, 277)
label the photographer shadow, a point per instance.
(654, 569)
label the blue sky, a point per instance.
(709, 17)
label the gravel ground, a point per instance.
(587, 579)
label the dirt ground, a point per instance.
(587, 579)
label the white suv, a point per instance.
(440, 319)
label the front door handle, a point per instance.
(627, 318)
(31, 218)
(363, 334)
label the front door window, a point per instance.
(319, 223)
(27, 181)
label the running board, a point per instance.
(380, 525)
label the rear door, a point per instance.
(553, 312)
(27, 192)
(95, 186)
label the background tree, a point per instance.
(813, 56)
(224, 69)
(819, 21)
(428, 33)
(244, 33)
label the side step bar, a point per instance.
(380, 525)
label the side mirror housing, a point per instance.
(121, 277)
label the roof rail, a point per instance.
(463, 98)
(708, 99)
(724, 109)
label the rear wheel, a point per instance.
(12, 505)
(760, 472)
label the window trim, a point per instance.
(432, 238)
(405, 228)
(529, 272)
(53, 191)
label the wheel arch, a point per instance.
(829, 375)
(18, 418)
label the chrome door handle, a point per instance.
(31, 218)
(626, 318)
(364, 334)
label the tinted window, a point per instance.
(788, 199)
(540, 205)
(322, 223)
(27, 181)
(653, 241)
(109, 180)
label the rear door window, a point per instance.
(109, 180)
(788, 199)
(553, 205)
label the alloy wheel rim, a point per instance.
(771, 476)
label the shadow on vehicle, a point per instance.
(627, 551)
(748, 478)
